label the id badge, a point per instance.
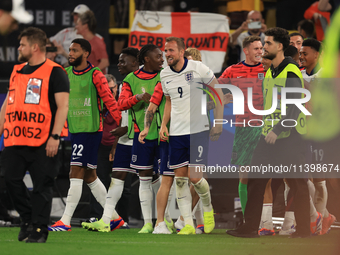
(33, 91)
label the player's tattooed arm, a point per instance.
(210, 105)
(149, 115)
(150, 112)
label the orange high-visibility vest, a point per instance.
(28, 113)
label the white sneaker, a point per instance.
(179, 224)
(161, 228)
(287, 232)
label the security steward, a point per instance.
(31, 119)
(281, 143)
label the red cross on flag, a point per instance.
(207, 32)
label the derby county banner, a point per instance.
(207, 32)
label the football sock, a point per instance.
(312, 211)
(146, 197)
(112, 198)
(72, 200)
(266, 218)
(311, 189)
(242, 192)
(285, 193)
(184, 199)
(203, 190)
(321, 196)
(98, 191)
(288, 220)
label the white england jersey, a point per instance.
(310, 78)
(125, 140)
(185, 91)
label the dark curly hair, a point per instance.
(313, 43)
(130, 51)
(279, 35)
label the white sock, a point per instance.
(156, 184)
(98, 191)
(321, 196)
(311, 189)
(72, 200)
(184, 199)
(285, 193)
(288, 220)
(203, 190)
(267, 216)
(199, 213)
(146, 198)
(167, 213)
(312, 212)
(112, 198)
(179, 220)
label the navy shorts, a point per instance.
(188, 150)
(85, 149)
(164, 159)
(121, 162)
(144, 156)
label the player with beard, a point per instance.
(87, 86)
(182, 80)
(32, 117)
(278, 144)
(248, 73)
(135, 97)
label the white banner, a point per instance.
(207, 32)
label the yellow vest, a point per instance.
(280, 82)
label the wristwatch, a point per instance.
(55, 136)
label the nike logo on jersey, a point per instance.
(168, 82)
(181, 197)
(199, 160)
(75, 158)
(239, 76)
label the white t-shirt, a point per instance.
(65, 37)
(185, 91)
(240, 39)
(125, 140)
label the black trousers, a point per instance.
(16, 160)
(286, 151)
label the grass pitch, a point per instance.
(128, 241)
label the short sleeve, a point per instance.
(207, 75)
(165, 91)
(101, 49)
(59, 81)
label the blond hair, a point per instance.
(194, 53)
